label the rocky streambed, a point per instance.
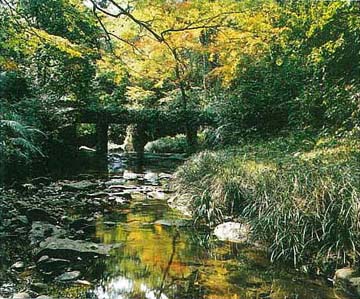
(116, 237)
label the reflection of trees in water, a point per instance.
(185, 288)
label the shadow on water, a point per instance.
(159, 260)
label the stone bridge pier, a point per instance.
(144, 126)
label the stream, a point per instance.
(158, 254)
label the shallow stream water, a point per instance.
(161, 257)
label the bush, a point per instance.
(177, 144)
(303, 203)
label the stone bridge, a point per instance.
(146, 125)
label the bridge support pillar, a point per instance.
(136, 139)
(102, 137)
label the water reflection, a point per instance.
(165, 262)
(161, 261)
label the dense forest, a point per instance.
(278, 82)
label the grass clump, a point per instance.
(177, 144)
(303, 201)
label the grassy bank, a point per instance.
(300, 194)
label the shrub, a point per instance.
(303, 203)
(177, 144)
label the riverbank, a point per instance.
(110, 236)
(300, 195)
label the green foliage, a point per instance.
(300, 198)
(177, 144)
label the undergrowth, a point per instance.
(300, 195)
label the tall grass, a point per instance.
(304, 204)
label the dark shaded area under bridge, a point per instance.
(146, 124)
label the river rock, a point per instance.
(68, 276)
(156, 195)
(130, 175)
(348, 280)
(174, 222)
(18, 266)
(72, 249)
(52, 264)
(80, 186)
(87, 149)
(42, 230)
(41, 181)
(152, 178)
(39, 287)
(38, 214)
(22, 295)
(232, 231)
(87, 225)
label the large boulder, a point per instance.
(72, 249)
(348, 280)
(233, 231)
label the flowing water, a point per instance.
(161, 257)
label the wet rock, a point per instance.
(41, 181)
(18, 266)
(84, 148)
(156, 195)
(87, 225)
(348, 280)
(115, 182)
(99, 194)
(22, 295)
(39, 287)
(164, 175)
(42, 230)
(126, 195)
(344, 274)
(38, 214)
(174, 222)
(80, 186)
(152, 178)
(20, 220)
(130, 175)
(53, 264)
(72, 249)
(232, 231)
(68, 276)
(44, 297)
(83, 282)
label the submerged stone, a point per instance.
(174, 222)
